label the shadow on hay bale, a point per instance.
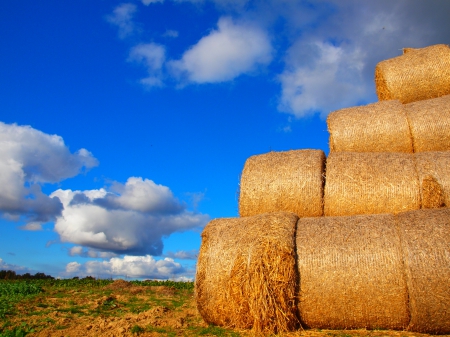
(416, 75)
(426, 250)
(290, 181)
(377, 127)
(246, 273)
(429, 121)
(370, 183)
(351, 273)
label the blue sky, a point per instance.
(124, 126)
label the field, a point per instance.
(89, 307)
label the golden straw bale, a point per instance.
(377, 127)
(433, 169)
(429, 121)
(246, 273)
(351, 273)
(290, 181)
(370, 183)
(416, 75)
(426, 250)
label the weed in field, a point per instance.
(136, 329)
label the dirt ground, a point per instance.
(123, 309)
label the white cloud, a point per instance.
(148, 2)
(331, 80)
(29, 158)
(231, 50)
(73, 267)
(133, 220)
(83, 252)
(132, 267)
(184, 255)
(32, 226)
(122, 17)
(171, 33)
(152, 55)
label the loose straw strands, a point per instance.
(246, 273)
(429, 121)
(370, 183)
(416, 75)
(351, 273)
(290, 181)
(426, 250)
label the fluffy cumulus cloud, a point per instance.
(28, 159)
(231, 50)
(130, 218)
(141, 267)
(153, 56)
(122, 17)
(331, 80)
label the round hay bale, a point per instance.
(370, 183)
(433, 169)
(377, 127)
(351, 273)
(429, 121)
(247, 274)
(426, 250)
(290, 181)
(416, 75)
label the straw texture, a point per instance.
(434, 175)
(289, 181)
(351, 273)
(370, 183)
(377, 127)
(416, 75)
(429, 121)
(426, 250)
(246, 273)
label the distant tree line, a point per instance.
(11, 275)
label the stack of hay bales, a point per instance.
(360, 239)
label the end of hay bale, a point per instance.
(288, 181)
(246, 273)
(381, 87)
(432, 193)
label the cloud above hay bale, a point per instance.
(130, 218)
(30, 158)
(231, 50)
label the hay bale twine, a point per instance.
(429, 121)
(426, 250)
(377, 127)
(433, 169)
(370, 183)
(290, 181)
(351, 273)
(247, 274)
(416, 75)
